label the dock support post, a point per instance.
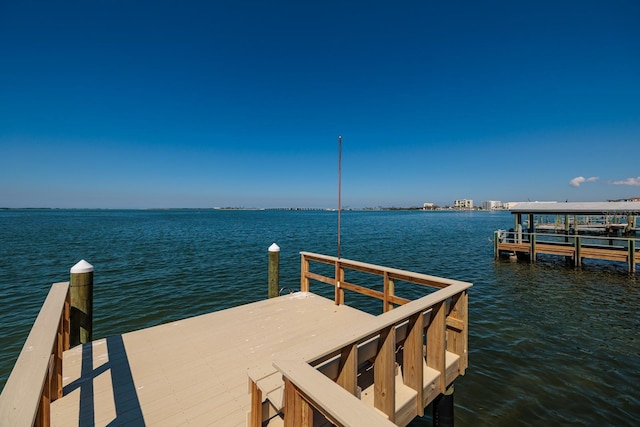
(632, 255)
(495, 244)
(443, 409)
(81, 296)
(532, 250)
(578, 252)
(274, 270)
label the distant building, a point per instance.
(428, 207)
(511, 205)
(630, 199)
(492, 205)
(463, 204)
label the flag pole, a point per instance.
(339, 188)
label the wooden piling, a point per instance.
(274, 270)
(81, 296)
(632, 255)
(443, 409)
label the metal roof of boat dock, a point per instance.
(579, 208)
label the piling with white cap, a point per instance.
(81, 296)
(274, 270)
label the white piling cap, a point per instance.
(274, 248)
(82, 267)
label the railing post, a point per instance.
(339, 292)
(388, 291)
(457, 329)
(413, 359)
(274, 270)
(348, 370)
(436, 349)
(255, 419)
(384, 374)
(298, 412)
(59, 349)
(304, 271)
(81, 294)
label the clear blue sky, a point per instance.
(129, 104)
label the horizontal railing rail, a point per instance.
(388, 275)
(575, 246)
(36, 378)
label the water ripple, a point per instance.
(548, 344)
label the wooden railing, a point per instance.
(36, 379)
(414, 351)
(388, 275)
(575, 246)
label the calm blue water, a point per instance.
(548, 344)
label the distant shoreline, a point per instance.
(377, 209)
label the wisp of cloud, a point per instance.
(575, 182)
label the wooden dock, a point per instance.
(298, 359)
(192, 371)
(578, 236)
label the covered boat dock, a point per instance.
(597, 230)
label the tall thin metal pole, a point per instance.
(339, 188)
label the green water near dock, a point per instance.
(548, 344)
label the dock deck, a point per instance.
(192, 371)
(294, 360)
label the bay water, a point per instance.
(548, 344)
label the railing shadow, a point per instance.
(125, 398)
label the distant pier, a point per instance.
(577, 231)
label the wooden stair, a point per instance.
(272, 388)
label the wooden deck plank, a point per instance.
(193, 371)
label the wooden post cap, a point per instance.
(274, 248)
(82, 267)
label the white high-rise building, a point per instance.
(463, 204)
(491, 205)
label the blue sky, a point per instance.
(128, 104)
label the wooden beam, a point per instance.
(436, 349)
(384, 374)
(339, 292)
(255, 417)
(348, 369)
(458, 336)
(389, 291)
(304, 273)
(413, 359)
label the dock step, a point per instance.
(406, 407)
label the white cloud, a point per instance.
(628, 181)
(575, 182)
